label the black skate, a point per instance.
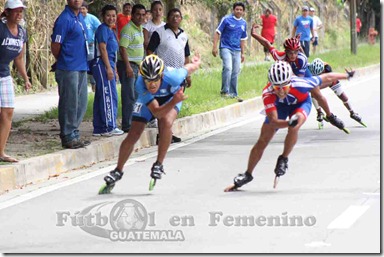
(110, 181)
(156, 172)
(357, 118)
(336, 122)
(280, 169)
(239, 181)
(320, 119)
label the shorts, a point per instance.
(142, 113)
(7, 93)
(284, 111)
(316, 42)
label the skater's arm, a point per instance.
(264, 42)
(193, 65)
(333, 76)
(275, 122)
(160, 111)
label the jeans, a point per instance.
(305, 45)
(128, 93)
(73, 98)
(90, 56)
(231, 69)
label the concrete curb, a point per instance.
(42, 167)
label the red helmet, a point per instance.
(292, 44)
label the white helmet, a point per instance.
(280, 73)
(316, 67)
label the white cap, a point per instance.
(13, 4)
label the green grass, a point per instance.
(204, 95)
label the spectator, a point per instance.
(372, 34)
(232, 32)
(92, 23)
(148, 16)
(170, 43)
(104, 71)
(13, 38)
(131, 54)
(358, 25)
(156, 21)
(269, 22)
(317, 24)
(303, 25)
(123, 18)
(69, 47)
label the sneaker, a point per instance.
(281, 166)
(105, 134)
(175, 139)
(76, 143)
(116, 132)
(157, 170)
(223, 94)
(355, 116)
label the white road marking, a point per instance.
(316, 244)
(348, 217)
(50, 188)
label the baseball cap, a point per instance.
(13, 4)
(311, 9)
(304, 8)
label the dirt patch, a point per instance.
(34, 138)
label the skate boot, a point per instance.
(357, 118)
(336, 122)
(239, 181)
(281, 166)
(156, 172)
(320, 118)
(113, 177)
(110, 181)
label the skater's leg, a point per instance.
(129, 142)
(165, 130)
(267, 133)
(293, 134)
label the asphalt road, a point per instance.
(329, 201)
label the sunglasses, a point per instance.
(152, 80)
(292, 52)
(283, 86)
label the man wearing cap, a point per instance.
(70, 48)
(317, 24)
(303, 25)
(12, 47)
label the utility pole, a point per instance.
(352, 15)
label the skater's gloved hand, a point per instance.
(293, 120)
(350, 73)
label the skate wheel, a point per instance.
(105, 189)
(230, 188)
(152, 184)
(321, 125)
(276, 181)
(346, 130)
(362, 123)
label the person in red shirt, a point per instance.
(269, 22)
(358, 25)
(123, 18)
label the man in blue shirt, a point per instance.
(303, 25)
(232, 32)
(92, 23)
(70, 48)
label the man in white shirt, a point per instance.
(317, 24)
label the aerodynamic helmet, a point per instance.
(316, 67)
(151, 67)
(280, 73)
